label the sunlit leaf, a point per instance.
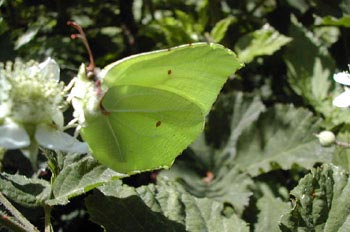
(310, 70)
(340, 22)
(264, 41)
(211, 173)
(27, 37)
(158, 207)
(281, 138)
(29, 192)
(320, 202)
(78, 178)
(219, 30)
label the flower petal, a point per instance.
(13, 136)
(53, 139)
(343, 100)
(58, 118)
(342, 78)
(5, 109)
(50, 69)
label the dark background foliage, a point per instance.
(115, 29)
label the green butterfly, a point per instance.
(154, 105)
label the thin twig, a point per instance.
(10, 223)
(342, 144)
(26, 225)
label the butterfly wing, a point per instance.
(196, 72)
(142, 128)
(155, 105)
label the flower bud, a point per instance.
(326, 138)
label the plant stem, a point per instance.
(342, 144)
(48, 225)
(22, 225)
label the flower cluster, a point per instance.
(32, 101)
(83, 97)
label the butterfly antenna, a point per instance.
(81, 35)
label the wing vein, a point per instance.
(115, 138)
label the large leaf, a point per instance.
(157, 208)
(322, 202)
(29, 192)
(264, 41)
(309, 64)
(79, 175)
(211, 173)
(270, 210)
(78, 178)
(281, 138)
(309, 70)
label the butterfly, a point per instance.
(154, 105)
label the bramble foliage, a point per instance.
(257, 166)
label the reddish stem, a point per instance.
(90, 68)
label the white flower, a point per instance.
(343, 100)
(84, 97)
(31, 108)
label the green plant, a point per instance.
(263, 161)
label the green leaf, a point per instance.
(264, 41)
(309, 71)
(219, 30)
(281, 138)
(327, 35)
(27, 37)
(339, 22)
(203, 17)
(246, 110)
(29, 192)
(342, 154)
(309, 64)
(78, 178)
(270, 211)
(213, 173)
(321, 202)
(186, 20)
(156, 104)
(157, 208)
(170, 28)
(3, 26)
